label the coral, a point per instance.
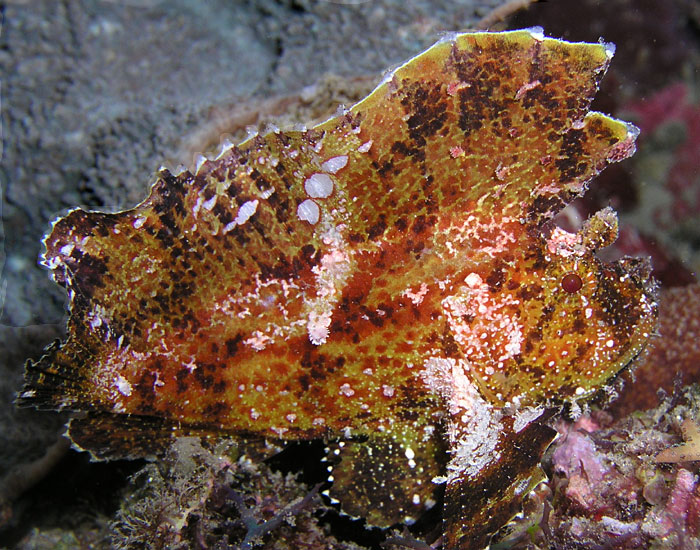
(667, 167)
(575, 459)
(671, 112)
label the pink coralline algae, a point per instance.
(682, 511)
(576, 459)
(609, 491)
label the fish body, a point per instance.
(391, 277)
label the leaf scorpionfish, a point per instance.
(392, 278)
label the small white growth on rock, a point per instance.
(334, 164)
(308, 211)
(346, 390)
(388, 391)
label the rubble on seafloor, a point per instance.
(607, 490)
(206, 496)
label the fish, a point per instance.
(391, 281)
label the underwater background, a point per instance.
(96, 95)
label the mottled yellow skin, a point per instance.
(391, 273)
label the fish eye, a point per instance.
(571, 283)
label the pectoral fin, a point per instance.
(386, 479)
(479, 503)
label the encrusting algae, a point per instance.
(390, 279)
